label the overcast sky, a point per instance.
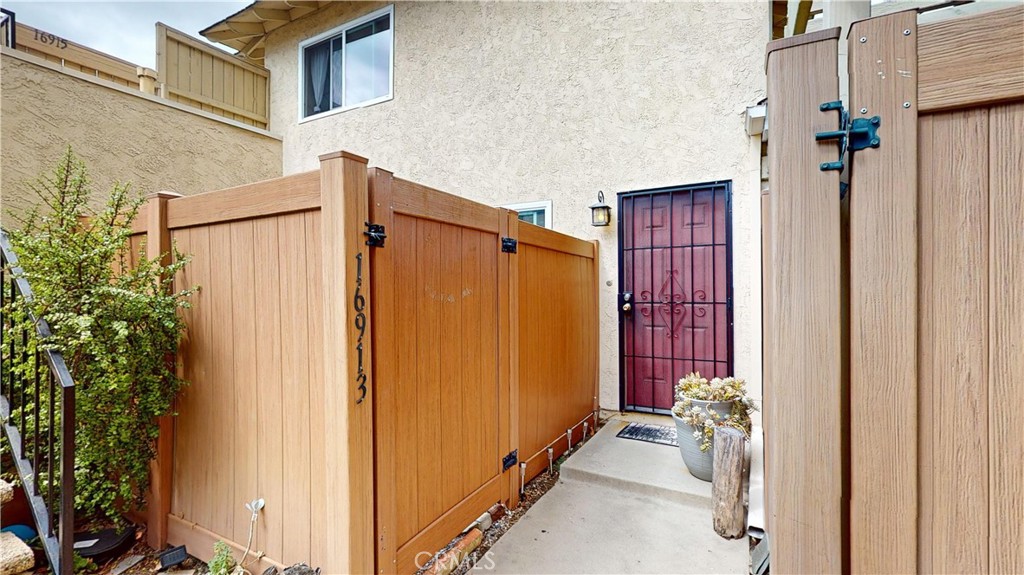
(124, 29)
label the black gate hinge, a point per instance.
(509, 245)
(510, 460)
(375, 235)
(853, 134)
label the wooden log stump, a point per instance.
(730, 515)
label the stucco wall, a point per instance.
(515, 102)
(123, 135)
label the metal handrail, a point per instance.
(20, 392)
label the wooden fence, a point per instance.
(902, 347)
(75, 56)
(368, 395)
(199, 75)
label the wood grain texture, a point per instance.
(954, 296)
(181, 503)
(243, 372)
(556, 316)
(806, 467)
(427, 203)
(219, 476)
(1006, 337)
(349, 527)
(317, 454)
(926, 358)
(158, 247)
(299, 192)
(883, 300)
(421, 548)
(269, 430)
(972, 61)
(445, 347)
(827, 35)
(507, 299)
(538, 236)
(767, 333)
(386, 401)
(295, 384)
(204, 77)
(729, 512)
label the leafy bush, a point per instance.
(116, 324)
(223, 563)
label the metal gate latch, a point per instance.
(375, 235)
(852, 135)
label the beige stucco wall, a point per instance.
(515, 102)
(122, 134)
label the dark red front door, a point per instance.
(675, 290)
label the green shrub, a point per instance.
(116, 325)
(223, 562)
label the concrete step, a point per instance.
(15, 555)
(637, 467)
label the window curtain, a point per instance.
(318, 56)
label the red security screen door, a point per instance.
(675, 290)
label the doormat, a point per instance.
(660, 434)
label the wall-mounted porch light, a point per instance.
(600, 213)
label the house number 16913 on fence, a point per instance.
(359, 303)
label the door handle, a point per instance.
(627, 302)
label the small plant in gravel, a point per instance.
(116, 323)
(223, 562)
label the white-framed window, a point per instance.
(536, 213)
(349, 66)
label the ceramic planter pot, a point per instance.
(699, 463)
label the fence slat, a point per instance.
(954, 366)
(385, 335)
(1006, 335)
(804, 390)
(883, 299)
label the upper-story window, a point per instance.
(348, 66)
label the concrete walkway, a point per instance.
(620, 506)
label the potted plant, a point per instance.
(701, 406)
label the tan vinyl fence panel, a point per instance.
(557, 338)
(76, 57)
(204, 77)
(433, 381)
(932, 463)
(250, 423)
(437, 360)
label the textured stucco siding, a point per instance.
(516, 102)
(121, 136)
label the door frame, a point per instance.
(730, 335)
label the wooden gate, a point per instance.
(920, 275)
(441, 411)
